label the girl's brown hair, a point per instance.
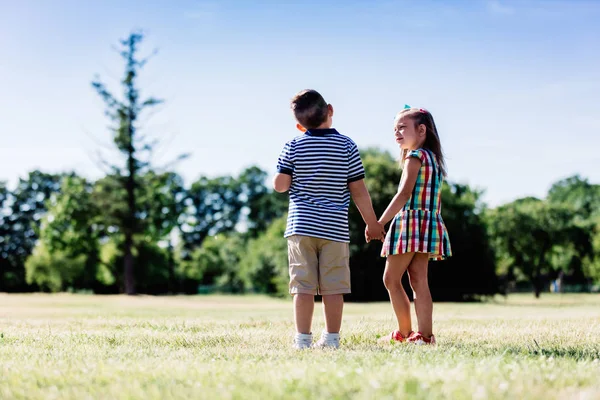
(432, 139)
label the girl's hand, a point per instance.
(376, 232)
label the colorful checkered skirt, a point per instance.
(417, 231)
(419, 227)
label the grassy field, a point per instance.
(79, 347)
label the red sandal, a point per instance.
(398, 337)
(419, 339)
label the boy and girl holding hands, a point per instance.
(322, 169)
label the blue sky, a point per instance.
(514, 85)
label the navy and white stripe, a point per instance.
(321, 162)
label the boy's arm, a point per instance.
(285, 169)
(282, 182)
(362, 199)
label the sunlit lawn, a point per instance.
(78, 347)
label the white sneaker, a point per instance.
(302, 341)
(328, 340)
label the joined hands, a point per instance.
(375, 232)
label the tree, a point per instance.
(4, 235)
(580, 258)
(52, 270)
(262, 205)
(159, 204)
(125, 114)
(22, 211)
(528, 232)
(264, 265)
(216, 264)
(152, 279)
(213, 206)
(471, 271)
(67, 252)
(591, 267)
(162, 197)
(582, 196)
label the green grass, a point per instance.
(80, 347)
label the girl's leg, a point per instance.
(417, 272)
(395, 267)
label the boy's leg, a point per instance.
(303, 268)
(304, 305)
(395, 267)
(334, 282)
(333, 307)
(417, 273)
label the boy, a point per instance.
(321, 169)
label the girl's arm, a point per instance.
(407, 183)
(362, 199)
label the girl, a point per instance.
(417, 232)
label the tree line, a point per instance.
(62, 232)
(140, 229)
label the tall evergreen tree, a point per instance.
(125, 113)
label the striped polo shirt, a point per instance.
(321, 162)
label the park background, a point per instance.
(121, 176)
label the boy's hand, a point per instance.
(375, 232)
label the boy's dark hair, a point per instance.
(310, 108)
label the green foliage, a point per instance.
(22, 211)
(5, 231)
(213, 207)
(591, 266)
(160, 204)
(261, 204)
(110, 198)
(61, 232)
(160, 197)
(110, 252)
(471, 271)
(53, 271)
(124, 113)
(66, 254)
(206, 263)
(226, 262)
(579, 194)
(224, 204)
(264, 267)
(216, 263)
(537, 239)
(153, 278)
(580, 257)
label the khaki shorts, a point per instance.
(318, 266)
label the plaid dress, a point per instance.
(419, 227)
